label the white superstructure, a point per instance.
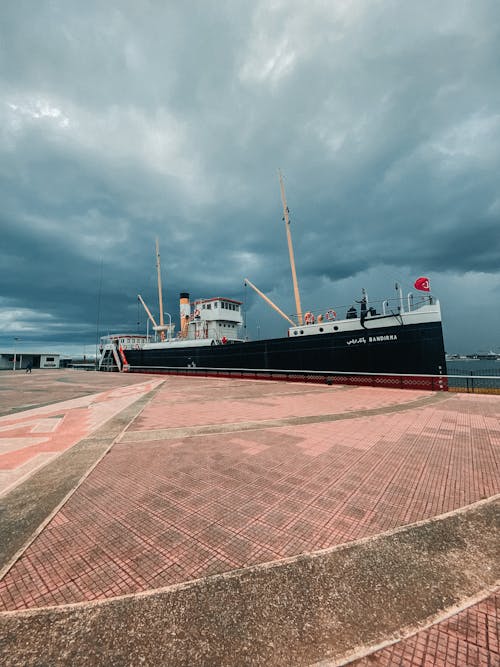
(428, 310)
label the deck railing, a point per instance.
(485, 382)
(398, 381)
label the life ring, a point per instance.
(331, 315)
(196, 313)
(309, 318)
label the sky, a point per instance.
(126, 121)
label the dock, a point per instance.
(171, 520)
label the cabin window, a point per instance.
(49, 358)
(216, 304)
(209, 306)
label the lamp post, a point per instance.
(16, 340)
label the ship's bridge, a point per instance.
(217, 317)
(218, 308)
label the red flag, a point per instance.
(423, 284)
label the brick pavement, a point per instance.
(169, 509)
(470, 638)
(20, 391)
(32, 438)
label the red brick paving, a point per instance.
(158, 512)
(210, 402)
(469, 639)
(164, 511)
(19, 390)
(33, 437)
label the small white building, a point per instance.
(22, 359)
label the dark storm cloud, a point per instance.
(120, 122)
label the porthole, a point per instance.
(321, 329)
(295, 333)
(335, 328)
(301, 331)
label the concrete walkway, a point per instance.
(208, 476)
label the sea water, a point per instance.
(472, 369)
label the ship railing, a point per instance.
(399, 381)
(489, 383)
(382, 307)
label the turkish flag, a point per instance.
(423, 284)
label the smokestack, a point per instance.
(185, 312)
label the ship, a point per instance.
(394, 342)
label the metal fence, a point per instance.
(483, 381)
(461, 380)
(395, 380)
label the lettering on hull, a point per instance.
(371, 339)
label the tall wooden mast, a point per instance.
(290, 250)
(160, 297)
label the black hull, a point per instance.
(416, 349)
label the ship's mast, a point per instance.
(290, 250)
(160, 297)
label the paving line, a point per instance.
(408, 633)
(278, 563)
(217, 429)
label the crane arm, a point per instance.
(273, 305)
(147, 310)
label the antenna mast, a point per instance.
(160, 298)
(290, 250)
